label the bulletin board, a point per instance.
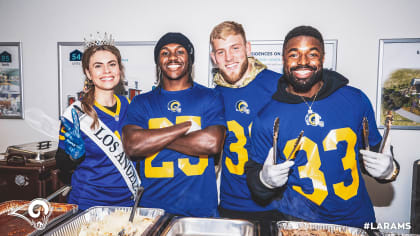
(137, 59)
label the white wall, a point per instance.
(358, 25)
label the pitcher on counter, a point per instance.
(90, 142)
(319, 178)
(175, 130)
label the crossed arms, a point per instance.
(139, 143)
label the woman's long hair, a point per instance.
(88, 99)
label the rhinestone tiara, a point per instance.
(98, 40)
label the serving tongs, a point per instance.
(139, 192)
(275, 138)
(387, 128)
(63, 191)
(366, 133)
(295, 145)
(388, 121)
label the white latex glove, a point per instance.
(274, 176)
(194, 127)
(379, 165)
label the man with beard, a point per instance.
(246, 85)
(175, 130)
(320, 180)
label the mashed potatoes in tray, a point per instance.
(113, 223)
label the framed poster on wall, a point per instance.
(137, 58)
(11, 81)
(398, 88)
(270, 52)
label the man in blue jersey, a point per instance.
(320, 180)
(246, 85)
(175, 130)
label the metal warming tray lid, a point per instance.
(15, 226)
(191, 226)
(286, 228)
(73, 226)
(36, 152)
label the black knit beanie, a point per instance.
(173, 37)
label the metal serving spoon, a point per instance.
(64, 190)
(139, 192)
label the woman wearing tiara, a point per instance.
(90, 144)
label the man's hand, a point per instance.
(379, 165)
(194, 127)
(274, 176)
(74, 144)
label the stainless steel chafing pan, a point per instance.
(190, 226)
(326, 228)
(73, 226)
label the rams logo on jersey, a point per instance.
(242, 107)
(174, 106)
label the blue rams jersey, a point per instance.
(325, 184)
(179, 183)
(96, 181)
(241, 106)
